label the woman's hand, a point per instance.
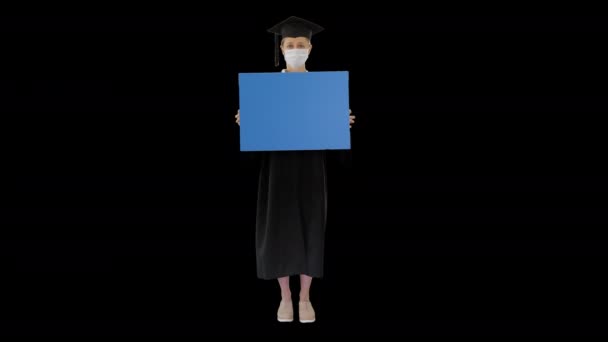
(352, 118)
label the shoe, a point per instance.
(285, 312)
(306, 312)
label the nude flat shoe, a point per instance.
(285, 312)
(306, 312)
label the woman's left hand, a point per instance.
(352, 118)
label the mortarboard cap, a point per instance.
(292, 27)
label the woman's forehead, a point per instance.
(295, 40)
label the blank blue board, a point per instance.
(294, 111)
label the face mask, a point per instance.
(296, 57)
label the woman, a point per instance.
(292, 196)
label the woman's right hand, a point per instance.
(238, 117)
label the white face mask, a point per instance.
(296, 57)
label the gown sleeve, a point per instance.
(250, 158)
(341, 158)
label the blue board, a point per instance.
(294, 111)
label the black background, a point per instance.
(475, 202)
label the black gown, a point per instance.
(291, 213)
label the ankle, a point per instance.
(286, 296)
(304, 298)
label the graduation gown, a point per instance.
(291, 211)
(291, 214)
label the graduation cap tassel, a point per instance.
(276, 50)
